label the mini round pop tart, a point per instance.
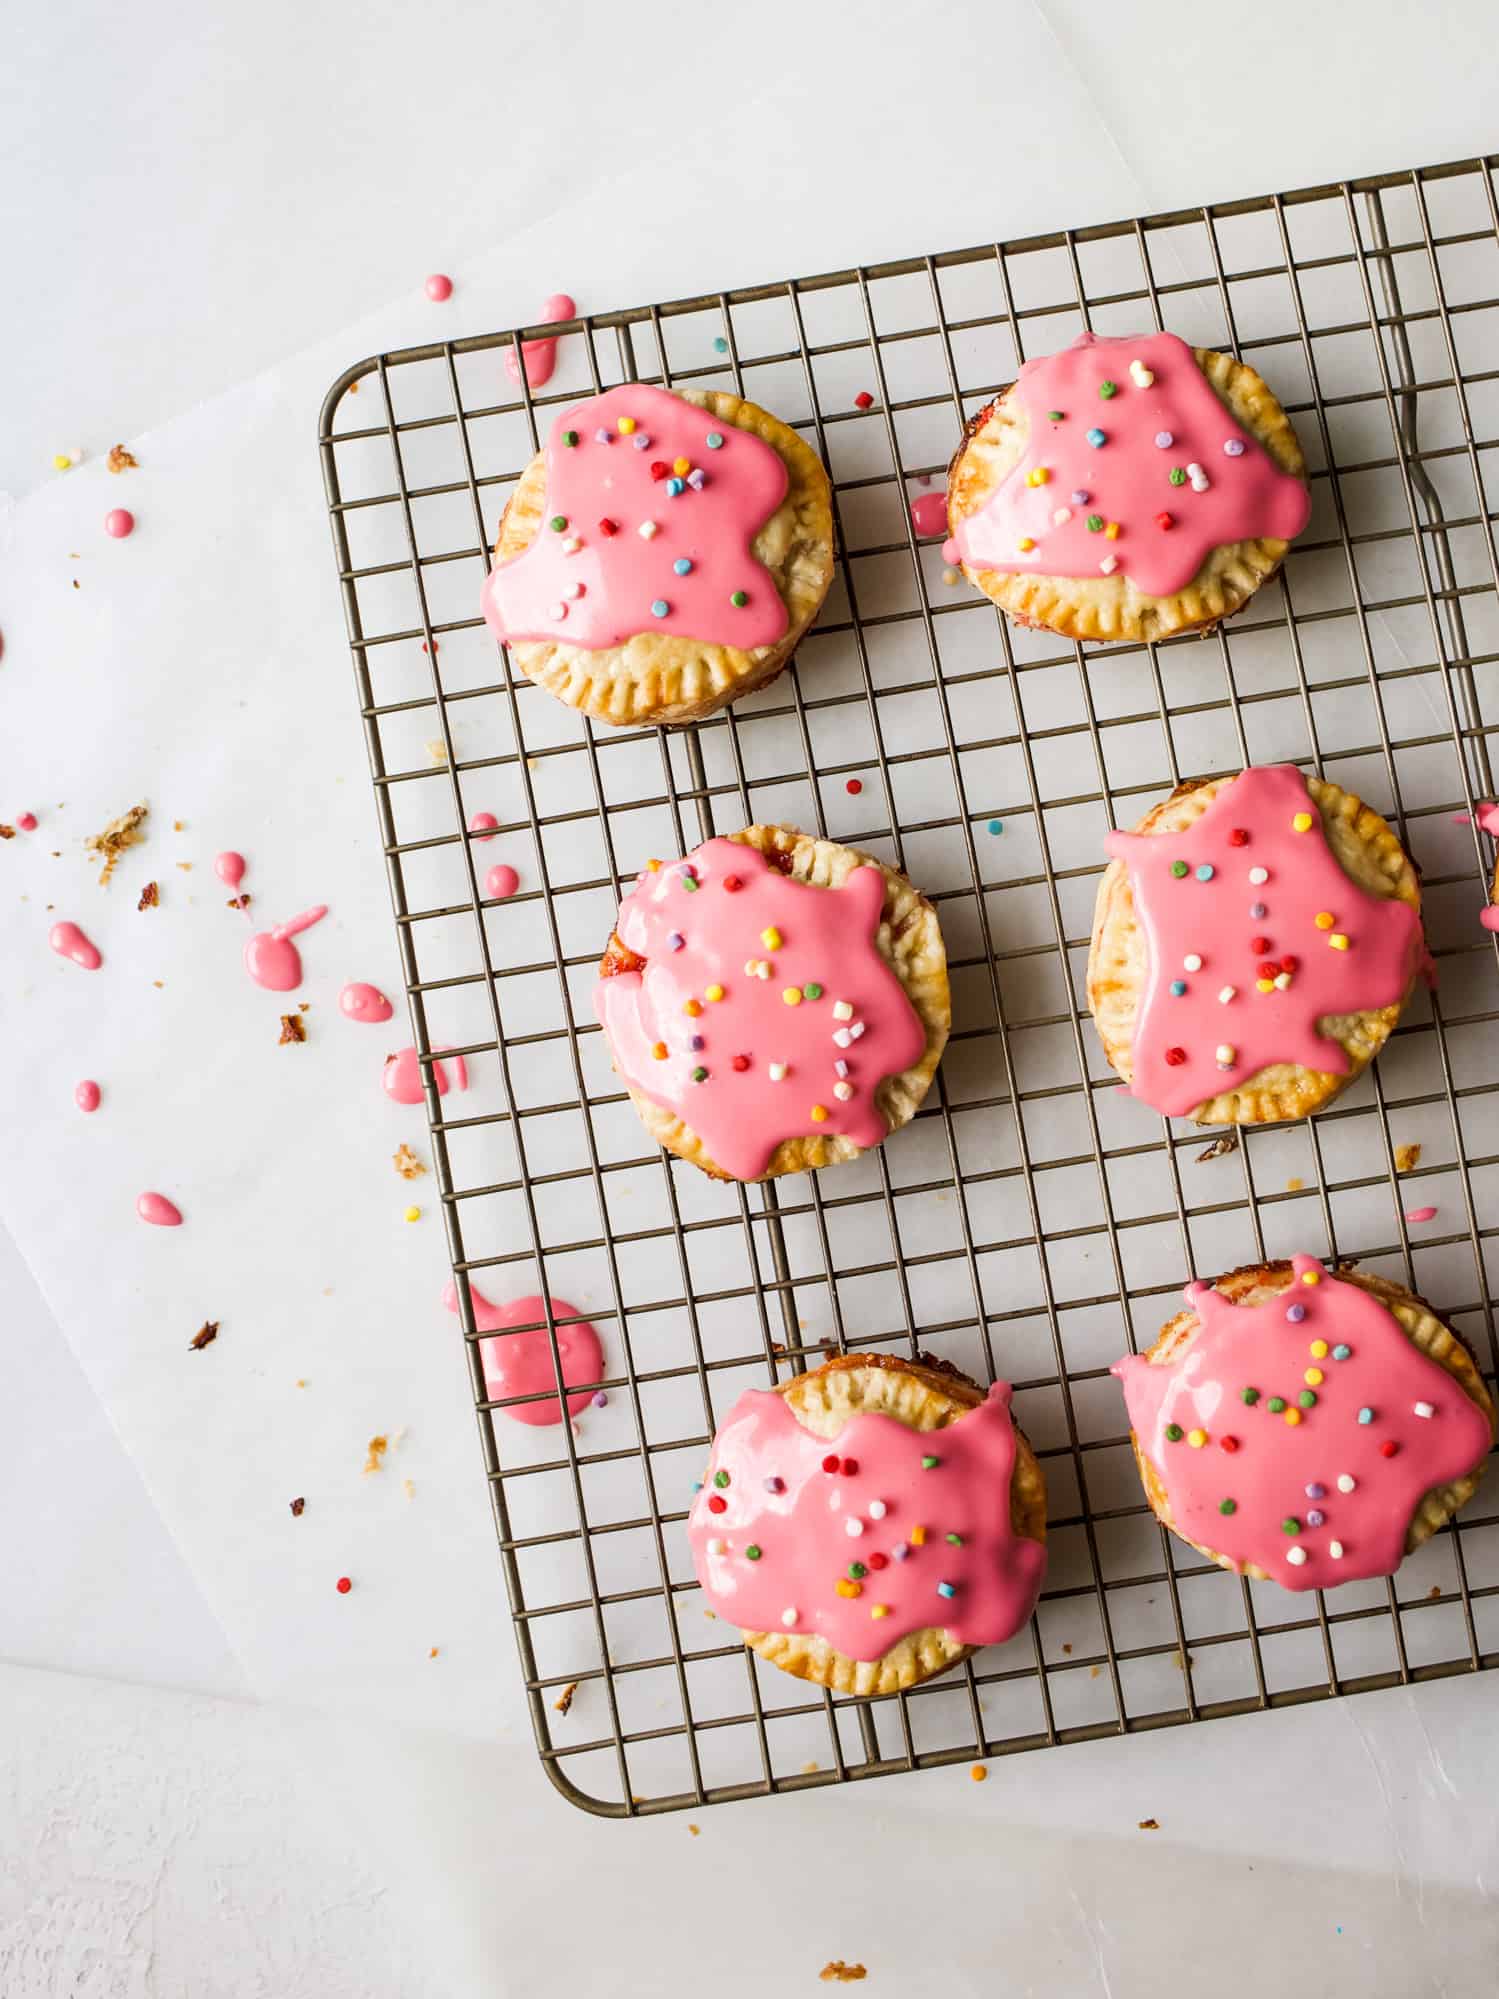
(662, 555)
(1254, 942)
(1304, 1428)
(871, 1523)
(773, 1002)
(1126, 489)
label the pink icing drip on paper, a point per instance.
(1267, 1475)
(827, 938)
(501, 882)
(541, 355)
(1127, 479)
(929, 513)
(1420, 1214)
(68, 941)
(1212, 920)
(230, 868)
(401, 1078)
(618, 576)
(158, 1210)
(364, 1003)
(801, 1527)
(271, 958)
(522, 1364)
(86, 1095)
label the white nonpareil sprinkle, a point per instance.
(842, 1036)
(571, 545)
(840, 1067)
(573, 590)
(557, 611)
(1223, 1055)
(1191, 963)
(715, 1546)
(853, 1529)
(877, 1509)
(1140, 375)
(648, 530)
(1227, 994)
(777, 1072)
(789, 1617)
(1335, 1549)
(1423, 1409)
(1109, 564)
(1347, 1482)
(843, 1091)
(1258, 875)
(856, 1030)
(1296, 1556)
(1061, 516)
(842, 1010)
(1282, 980)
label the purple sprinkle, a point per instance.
(1080, 498)
(840, 1068)
(900, 1551)
(601, 1400)
(775, 1485)
(1164, 440)
(1295, 1313)
(675, 941)
(1315, 1518)
(1233, 447)
(697, 479)
(1258, 911)
(641, 440)
(696, 1043)
(602, 436)
(1316, 1491)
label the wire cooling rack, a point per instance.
(1031, 1221)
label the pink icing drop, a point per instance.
(522, 1364)
(1258, 1347)
(27, 822)
(1487, 817)
(271, 958)
(158, 1210)
(619, 576)
(1127, 479)
(86, 1096)
(439, 288)
(230, 868)
(1420, 1214)
(501, 881)
(483, 825)
(401, 1078)
(1212, 920)
(827, 938)
(541, 355)
(1489, 917)
(929, 513)
(363, 1003)
(68, 941)
(780, 1500)
(119, 522)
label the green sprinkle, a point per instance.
(1228, 1505)
(954, 1540)
(691, 884)
(558, 523)
(1178, 477)
(700, 1074)
(752, 1552)
(857, 1572)
(739, 599)
(1107, 389)
(1249, 1395)
(1290, 1525)
(930, 1464)
(720, 1478)
(1055, 416)
(1276, 1404)
(1178, 868)
(1307, 1399)
(1095, 523)
(1173, 1433)
(569, 437)
(996, 826)
(813, 990)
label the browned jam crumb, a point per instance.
(117, 836)
(205, 1336)
(7, 832)
(839, 1973)
(292, 1029)
(375, 1457)
(178, 824)
(693, 1829)
(1228, 1142)
(121, 460)
(186, 867)
(564, 1700)
(238, 902)
(407, 1164)
(1407, 1157)
(1150, 1825)
(298, 1507)
(150, 897)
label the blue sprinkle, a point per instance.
(1316, 1491)
(947, 1589)
(675, 486)
(1205, 872)
(1164, 440)
(720, 345)
(1366, 1415)
(1258, 911)
(660, 608)
(1341, 1352)
(1178, 987)
(996, 826)
(697, 1485)
(641, 440)
(1233, 447)
(714, 440)
(1295, 1313)
(682, 566)
(675, 941)
(1097, 438)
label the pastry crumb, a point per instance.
(119, 835)
(432, 1651)
(375, 1456)
(7, 832)
(406, 1163)
(836, 1972)
(178, 825)
(206, 1334)
(564, 1700)
(121, 460)
(1094, 1671)
(1433, 1595)
(1295, 1184)
(437, 752)
(150, 897)
(292, 1029)
(1066, 1647)
(1407, 1157)
(186, 867)
(1150, 1825)
(693, 1829)
(1226, 1142)
(298, 1508)
(238, 902)
(809, 1768)
(408, 1487)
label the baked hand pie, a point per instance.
(662, 555)
(871, 1523)
(1304, 1428)
(1254, 942)
(773, 1003)
(1126, 489)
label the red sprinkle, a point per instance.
(1388, 1448)
(732, 883)
(850, 1466)
(1290, 964)
(1268, 968)
(1259, 946)
(1176, 1056)
(863, 400)
(659, 471)
(879, 1561)
(344, 1585)
(830, 1463)
(740, 1062)
(1165, 520)
(1229, 1444)
(1239, 837)
(608, 527)
(854, 786)
(717, 1503)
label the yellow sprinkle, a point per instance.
(845, 1588)
(1338, 941)
(692, 1007)
(653, 867)
(1311, 1276)
(714, 993)
(1025, 544)
(1293, 1417)
(1197, 1438)
(1264, 985)
(1324, 919)
(1318, 1349)
(1111, 532)
(1313, 1377)
(771, 938)
(879, 1610)
(681, 466)
(61, 462)
(1302, 823)
(792, 995)
(918, 1537)
(1041, 475)
(626, 425)
(413, 1214)
(659, 1050)
(978, 1773)
(819, 1113)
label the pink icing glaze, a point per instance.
(119, 522)
(541, 355)
(1212, 920)
(522, 1363)
(86, 1096)
(501, 881)
(158, 1210)
(779, 1499)
(68, 941)
(1126, 480)
(363, 1003)
(929, 513)
(401, 1078)
(616, 577)
(271, 958)
(483, 825)
(1487, 817)
(827, 938)
(230, 868)
(1420, 1214)
(27, 822)
(439, 287)
(1489, 917)
(1273, 1463)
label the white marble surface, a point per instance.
(207, 198)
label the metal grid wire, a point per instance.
(1030, 1222)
